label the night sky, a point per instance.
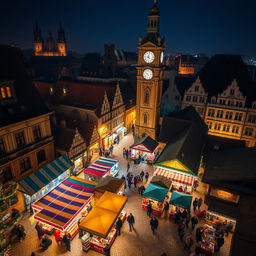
(195, 26)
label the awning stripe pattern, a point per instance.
(42, 177)
(60, 206)
(176, 177)
(100, 167)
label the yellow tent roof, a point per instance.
(99, 221)
(112, 202)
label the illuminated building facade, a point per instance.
(150, 71)
(226, 102)
(49, 47)
(26, 140)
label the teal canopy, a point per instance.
(155, 192)
(180, 199)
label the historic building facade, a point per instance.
(149, 77)
(226, 113)
(26, 140)
(49, 47)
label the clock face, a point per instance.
(149, 57)
(148, 74)
(161, 57)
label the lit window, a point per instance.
(6, 92)
(3, 94)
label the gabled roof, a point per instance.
(110, 184)
(27, 102)
(161, 181)
(186, 143)
(146, 144)
(232, 168)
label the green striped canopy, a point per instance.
(42, 177)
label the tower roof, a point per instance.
(154, 10)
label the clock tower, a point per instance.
(150, 71)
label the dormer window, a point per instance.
(6, 92)
(232, 92)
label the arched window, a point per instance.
(145, 118)
(146, 96)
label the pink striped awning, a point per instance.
(174, 176)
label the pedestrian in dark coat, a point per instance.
(46, 242)
(119, 224)
(39, 229)
(199, 203)
(178, 216)
(154, 224)
(149, 209)
(188, 242)
(135, 181)
(67, 240)
(129, 183)
(142, 190)
(220, 243)
(188, 218)
(131, 221)
(181, 231)
(199, 232)
(146, 177)
(128, 166)
(166, 209)
(194, 221)
(21, 232)
(141, 175)
(195, 202)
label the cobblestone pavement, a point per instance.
(141, 242)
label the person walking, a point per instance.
(220, 242)
(119, 224)
(128, 166)
(129, 183)
(146, 177)
(199, 233)
(166, 209)
(131, 221)
(188, 218)
(46, 242)
(154, 224)
(199, 203)
(181, 231)
(149, 209)
(142, 190)
(141, 175)
(39, 229)
(194, 221)
(111, 149)
(21, 232)
(188, 242)
(58, 239)
(67, 240)
(135, 181)
(195, 203)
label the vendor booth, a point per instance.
(144, 150)
(99, 225)
(40, 182)
(155, 195)
(63, 206)
(110, 184)
(181, 182)
(101, 168)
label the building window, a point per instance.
(235, 129)
(37, 132)
(25, 164)
(20, 139)
(209, 125)
(145, 118)
(201, 99)
(248, 131)
(238, 116)
(211, 112)
(219, 114)
(6, 92)
(196, 88)
(188, 98)
(194, 98)
(5, 175)
(232, 92)
(217, 127)
(146, 97)
(2, 147)
(226, 128)
(252, 118)
(229, 115)
(51, 90)
(41, 156)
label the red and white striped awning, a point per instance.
(174, 176)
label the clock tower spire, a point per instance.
(150, 77)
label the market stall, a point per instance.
(110, 184)
(40, 182)
(182, 182)
(144, 150)
(155, 195)
(99, 225)
(208, 242)
(180, 200)
(63, 206)
(101, 168)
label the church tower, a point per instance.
(38, 40)
(150, 71)
(61, 43)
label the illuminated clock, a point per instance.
(162, 57)
(147, 74)
(149, 57)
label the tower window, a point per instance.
(146, 97)
(145, 118)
